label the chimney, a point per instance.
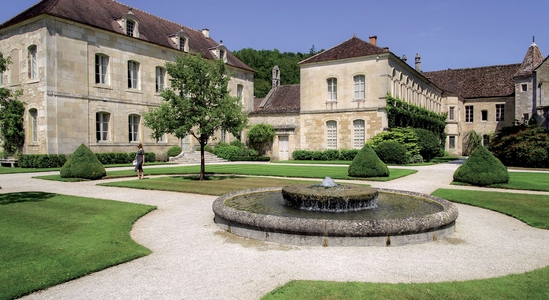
(418, 62)
(206, 32)
(404, 58)
(373, 40)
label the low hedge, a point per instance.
(58, 160)
(322, 155)
(251, 158)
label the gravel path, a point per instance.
(193, 259)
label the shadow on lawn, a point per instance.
(11, 198)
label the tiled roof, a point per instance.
(104, 13)
(354, 47)
(283, 99)
(481, 82)
(532, 59)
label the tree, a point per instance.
(471, 142)
(260, 137)
(12, 132)
(197, 103)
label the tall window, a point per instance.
(484, 115)
(451, 113)
(452, 142)
(160, 75)
(130, 27)
(222, 54)
(486, 140)
(14, 67)
(331, 135)
(33, 70)
(1, 78)
(133, 73)
(133, 130)
(360, 84)
(469, 113)
(358, 134)
(239, 89)
(102, 126)
(33, 114)
(223, 136)
(500, 109)
(182, 43)
(332, 89)
(101, 64)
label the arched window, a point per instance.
(133, 74)
(102, 126)
(332, 89)
(331, 135)
(33, 124)
(101, 69)
(358, 134)
(360, 86)
(160, 79)
(32, 64)
(133, 127)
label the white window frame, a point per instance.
(133, 75)
(160, 79)
(33, 118)
(102, 120)
(130, 27)
(360, 87)
(359, 133)
(332, 88)
(331, 134)
(133, 128)
(500, 112)
(101, 69)
(32, 63)
(451, 113)
(469, 114)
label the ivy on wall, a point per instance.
(403, 114)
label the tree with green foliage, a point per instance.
(471, 141)
(522, 146)
(482, 168)
(392, 152)
(260, 137)
(428, 143)
(12, 132)
(83, 164)
(197, 103)
(367, 164)
(405, 135)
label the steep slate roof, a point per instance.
(353, 47)
(103, 14)
(482, 82)
(532, 59)
(283, 99)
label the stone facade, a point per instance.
(55, 64)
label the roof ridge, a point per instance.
(148, 13)
(309, 58)
(471, 68)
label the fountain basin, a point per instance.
(337, 198)
(337, 232)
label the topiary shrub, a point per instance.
(482, 168)
(174, 151)
(83, 164)
(392, 152)
(367, 164)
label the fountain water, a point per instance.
(330, 214)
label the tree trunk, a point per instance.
(203, 142)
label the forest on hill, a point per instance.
(263, 62)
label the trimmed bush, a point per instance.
(429, 145)
(367, 164)
(392, 152)
(41, 160)
(482, 168)
(348, 154)
(174, 151)
(227, 151)
(83, 164)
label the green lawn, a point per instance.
(531, 181)
(47, 239)
(336, 172)
(214, 185)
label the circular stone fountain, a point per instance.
(335, 215)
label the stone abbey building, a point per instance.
(89, 69)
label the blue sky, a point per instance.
(446, 33)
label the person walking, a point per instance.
(140, 161)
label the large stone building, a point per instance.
(89, 69)
(340, 102)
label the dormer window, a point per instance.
(129, 24)
(221, 52)
(180, 40)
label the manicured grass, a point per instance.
(7, 170)
(47, 239)
(436, 160)
(531, 181)
(532, 285)
(214, 185)
(336, 172)
(531, 209)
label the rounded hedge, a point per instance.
(482, 168)
(392, 152)
(367, 164)
(83, 164)
(174, 151)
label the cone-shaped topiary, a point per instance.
(367, 164)
(482, 168)
(83, 164)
